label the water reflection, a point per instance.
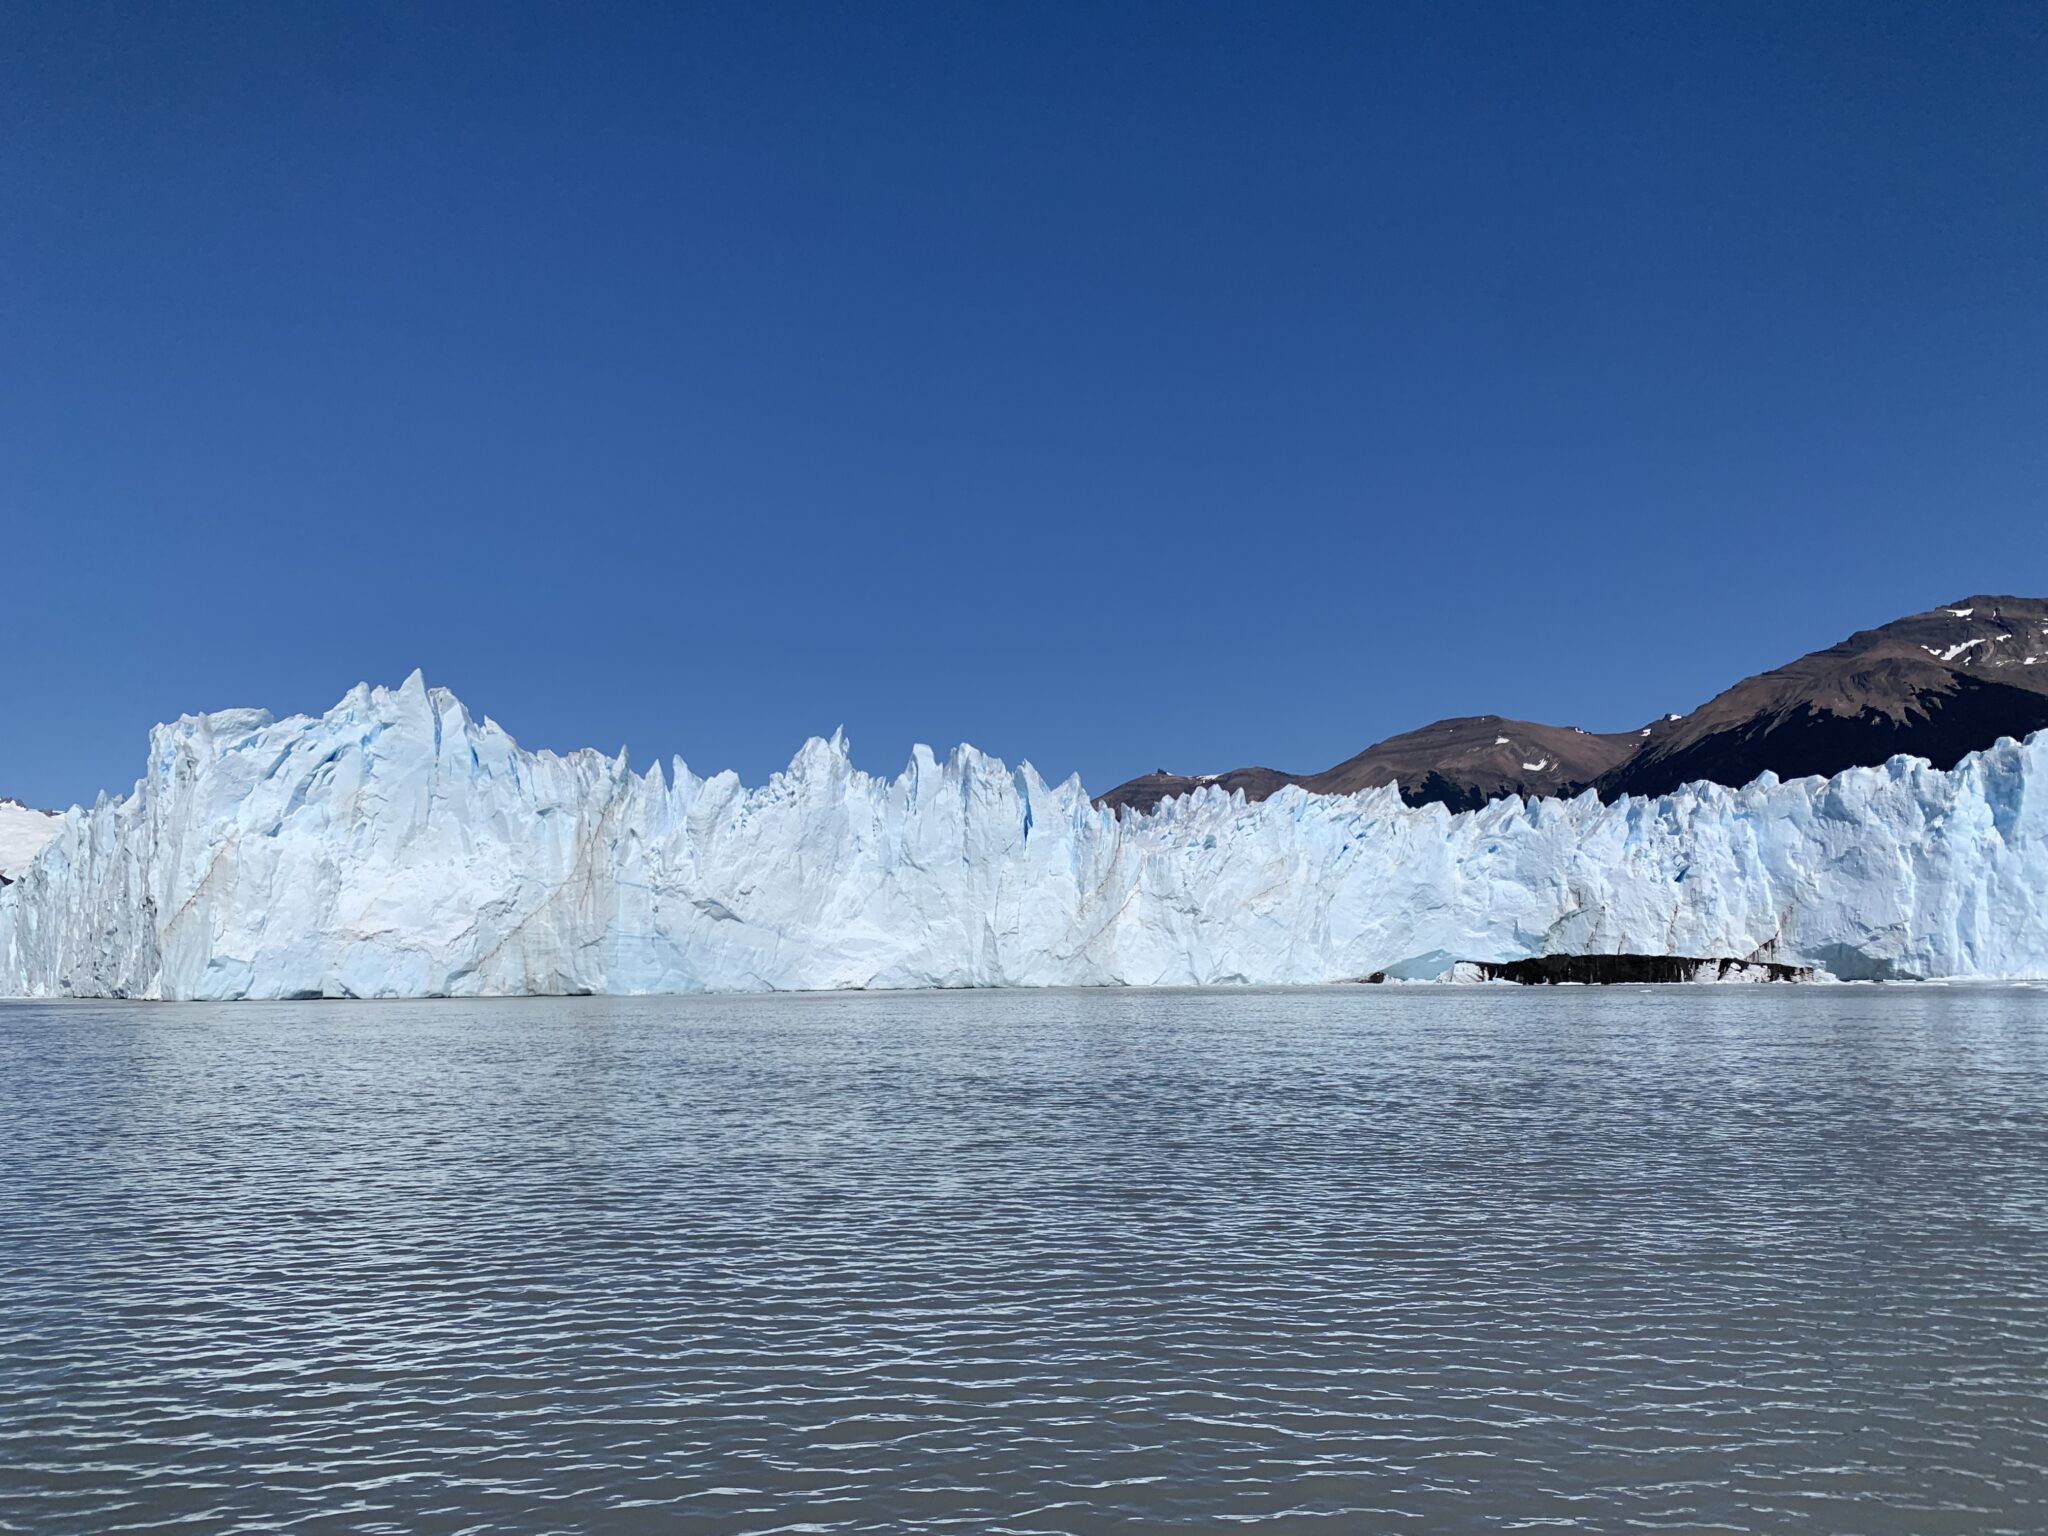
(1474, 1259)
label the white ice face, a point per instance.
(396, 846)
(23, 833)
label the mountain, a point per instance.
(1935, 685)
(1464, 763)
(1148, 789)
(398, 846)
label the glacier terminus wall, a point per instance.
(396, 846)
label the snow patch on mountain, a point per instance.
(397, 846)
(1956, 650)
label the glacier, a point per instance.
(396, 846)
(22, 834)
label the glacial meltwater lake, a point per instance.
(1347, 1260)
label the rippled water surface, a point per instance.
(1728, 1259)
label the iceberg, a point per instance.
(397, 847)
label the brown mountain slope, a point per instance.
(1462, 763)
(1148, 789)
(1468, 761)
(1937, 685)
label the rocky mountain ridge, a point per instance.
(1938, 685)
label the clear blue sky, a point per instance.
(1112, 385)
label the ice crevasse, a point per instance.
(397, 846)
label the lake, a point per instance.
(1738, 1258)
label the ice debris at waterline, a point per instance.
(397, 847)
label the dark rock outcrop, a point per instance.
(1550, 970)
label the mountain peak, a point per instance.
(1936, 684)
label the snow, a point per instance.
(1501, 741)
(1538, 766)
(397, 846)
(1953, 651)
(23, 832)
(1962, 613)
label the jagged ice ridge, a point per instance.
(396, 846)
